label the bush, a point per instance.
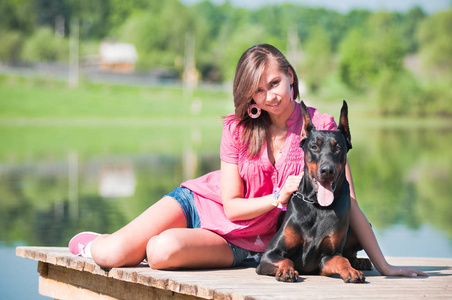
(438, 98)
(399, 93)
(11, 46)
(43, 45)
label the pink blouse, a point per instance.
(260, 178)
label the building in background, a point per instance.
(117, 57)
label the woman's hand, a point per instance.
(290, 186)
(401, 271)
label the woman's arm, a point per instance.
(363, 231)
(232, 192)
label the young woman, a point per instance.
(219, 219)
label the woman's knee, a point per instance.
(112, 253)
(105, 254)
(162, 250)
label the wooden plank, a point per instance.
(65, 283)
(59, 290)
(240, 283)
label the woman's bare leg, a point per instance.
(127, 246)
(189, 248)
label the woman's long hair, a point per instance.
(248, 74)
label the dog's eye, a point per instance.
(314, 147)
(335, 147)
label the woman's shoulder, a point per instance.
(230, 123)
(229, 119)
(322, 121)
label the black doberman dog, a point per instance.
(315, 229)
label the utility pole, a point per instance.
(294, 51)
(190, 76)
(74, 75)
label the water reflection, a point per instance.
(402, 177)
(39, 207)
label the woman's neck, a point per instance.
(279, 122)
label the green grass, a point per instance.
(41, 118)
(38, 98)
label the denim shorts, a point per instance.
(186, 200)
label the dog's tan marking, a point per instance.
(292, 237)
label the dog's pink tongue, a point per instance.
(325, 194)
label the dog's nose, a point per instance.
(327, 170)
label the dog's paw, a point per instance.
(353, 276)
(287, 275)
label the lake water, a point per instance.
(55, 182)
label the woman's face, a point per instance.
(273, 93)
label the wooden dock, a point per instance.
(65, 276)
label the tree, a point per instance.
(366, 52)
(435, 42)
(385, 43)
(355, 66)
(241, 39)
(159, 34)
(121, 10)
(16, 15)
(356, 18)
(12, 42)
(221, 32)
(410, 25)
(48, 12)
(317, 62)
(93, 16)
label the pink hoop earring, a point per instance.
(254, 111)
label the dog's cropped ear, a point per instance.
(343, 125)
(307, 124)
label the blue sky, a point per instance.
(429, 6)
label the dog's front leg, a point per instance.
(276, 260)
(275, 265)
(285, 271)
(340, 265)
